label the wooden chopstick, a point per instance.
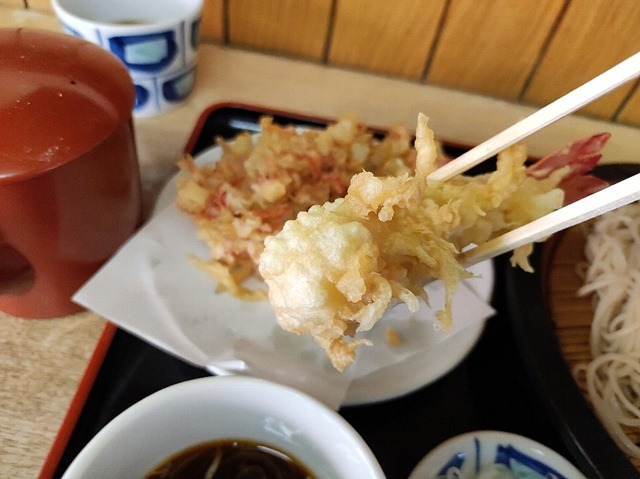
(610, 198)
(590, 91)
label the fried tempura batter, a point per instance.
(335, 270)
(254, 188)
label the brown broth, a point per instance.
(237, 459)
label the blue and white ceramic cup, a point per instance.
(156, 39)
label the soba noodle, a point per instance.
(612, 276)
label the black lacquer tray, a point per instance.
(490, 389)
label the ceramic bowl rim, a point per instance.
(463, 441)
(223, 389)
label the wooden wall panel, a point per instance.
(530, 51)
(212, 26)
(388, 37)
(44, 5)
(490, 47)
(592, 36)
(630, 112)
(291, 27)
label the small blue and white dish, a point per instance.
(494, 455)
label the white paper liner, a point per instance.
(151, 289)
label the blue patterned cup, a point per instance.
(156, 39)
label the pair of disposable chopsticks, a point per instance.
(598, 203)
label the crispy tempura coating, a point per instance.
(335, 269)
(259, 184)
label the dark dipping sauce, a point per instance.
(230, 459)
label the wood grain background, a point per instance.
(527, 51)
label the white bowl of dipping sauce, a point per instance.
(494, 455)
(252, 418)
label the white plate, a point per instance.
(416, 371)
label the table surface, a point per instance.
(42, 361)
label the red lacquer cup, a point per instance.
(69, 177)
